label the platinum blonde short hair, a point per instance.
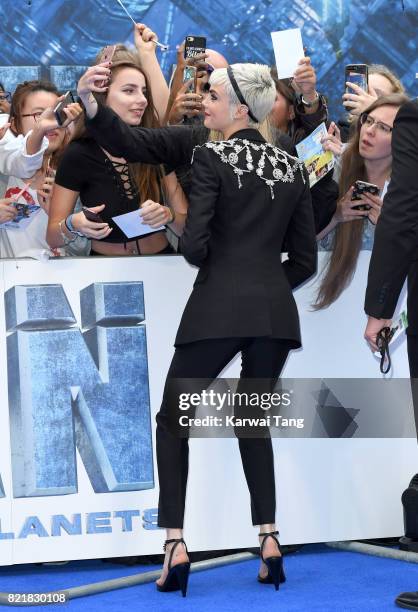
(255, 84)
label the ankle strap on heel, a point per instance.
(175, 541)
(178, 540)
(271, 534)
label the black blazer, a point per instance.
(395, 249)
(233, 234)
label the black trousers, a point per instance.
(262, 358)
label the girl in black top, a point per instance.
(108, 185)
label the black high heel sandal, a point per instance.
(274, 564)
(178, 575)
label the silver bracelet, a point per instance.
(309, 104)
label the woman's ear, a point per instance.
(241, 112)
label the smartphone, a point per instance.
(92, 216)
(190, 74)
(358, 74)
(60, 116)
(106, 56)
(361, 187)
(107, 53)
(194, 45)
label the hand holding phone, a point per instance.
(361, 187)
(186, 104)
(358, 74)
(92, 216)
(89, 223)
(190, 74)
(106, 56)
(356, 88)
(60, 116)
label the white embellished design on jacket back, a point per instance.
(269, 163)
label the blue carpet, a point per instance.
(319, 579)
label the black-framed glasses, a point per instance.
(5, 95)
(369, 121)
(34, 115)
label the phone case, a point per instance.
(358, 74)
(363, 187)
(195, 45)
(106, 56)
(189, 74)
(58, 110)
(92, 216)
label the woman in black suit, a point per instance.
(249, 201)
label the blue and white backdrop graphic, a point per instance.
(87, 344)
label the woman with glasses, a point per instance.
(22, 154)
(368, 157)
(29, 156)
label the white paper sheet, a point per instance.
(132, 226)
(288, 50)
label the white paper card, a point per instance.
(288, 50)
(132, 226)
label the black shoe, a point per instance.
(178, 575)
(408, 600)
(274, 564)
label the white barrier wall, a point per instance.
(67, 490)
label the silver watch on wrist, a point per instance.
(310, 104)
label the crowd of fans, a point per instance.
(54, 173)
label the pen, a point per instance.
(17, 196)
(158, 44)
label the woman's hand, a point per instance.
(7, 211)
(96, 78)
(345, 211)
(93, 75)
(45, 192)
(332, 142)
(185, 104)
(47, 121)
(375, 202)
(91, 229)
(143, 37)
(304, 79)
(154, 214)
(358, 100)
